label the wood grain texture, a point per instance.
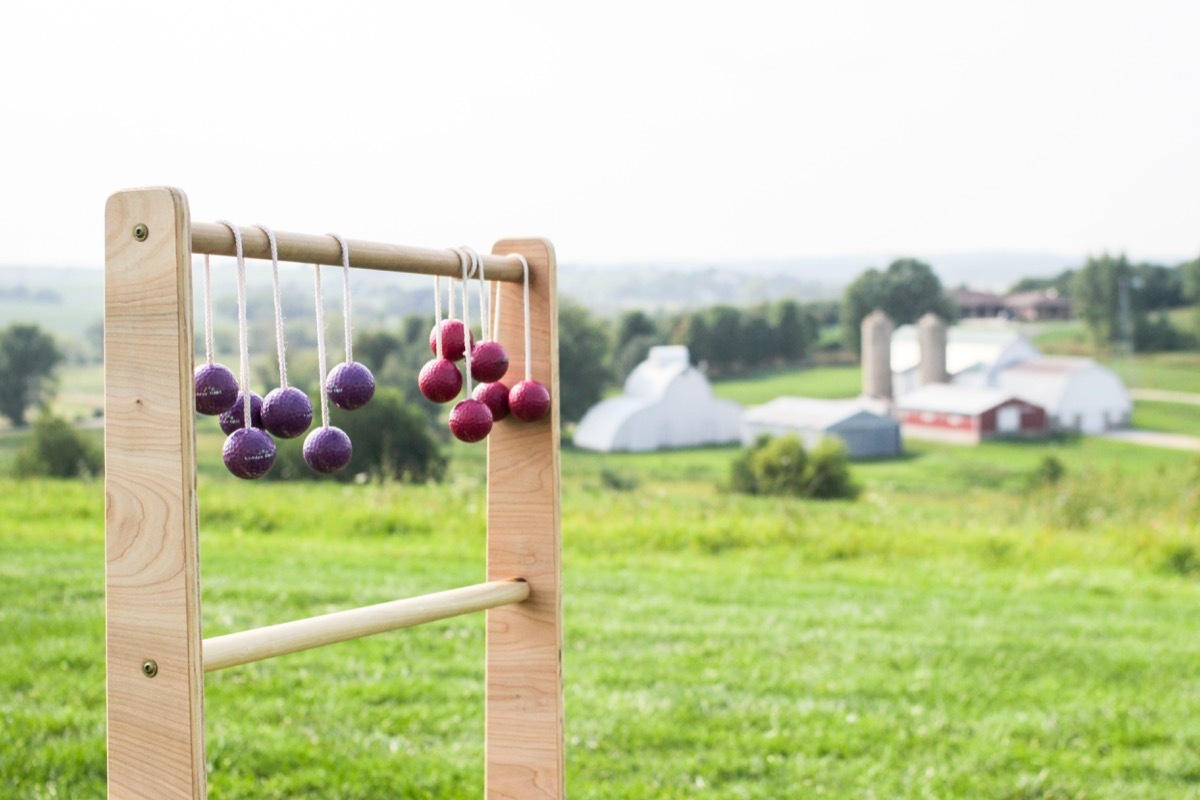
(152, 578)
(246, 647)
(217, 239)
(524, 758)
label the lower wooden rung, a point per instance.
(304, 634)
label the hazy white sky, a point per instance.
(622, 130)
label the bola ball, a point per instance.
(489, 362)
(440, 381)
(350, 385)
(495, 397)
(454, 335)
(328, 449)
(249, 453)
(216, 389)
(235, 418)
(471, 421)
(529, 401)
(286, 413)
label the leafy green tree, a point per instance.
(56, 450)
(27, 360)
(373, 348)
(1190, 279)
(756, 339)
(584, 371)
(634, 325)
(793, 331)
(725, 339)
(1095, 295)
(906, 291)
(1060, 282)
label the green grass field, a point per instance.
(829, 382)
(955, 633)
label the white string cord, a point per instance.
(485, 316)
(528, 338)
(243, 339)
(496, 316)
(321, 347)
(346, 296)
(208, 331)
(464, 261)
(437, 314)
(280, 343)
(450, 292)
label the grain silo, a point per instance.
(931, 338)
(877, 331)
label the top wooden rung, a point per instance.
(216, 239)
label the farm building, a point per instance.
(1078, 394)
(966, 415)
(667, 403)
(865, 434)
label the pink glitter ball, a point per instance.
(453, 339)
(529, 401)
(489, 362)
(495, 397)
(470, 421)
(440, 381)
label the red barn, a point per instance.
(968, 415)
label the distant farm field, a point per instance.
(826, 382)
(964, 630)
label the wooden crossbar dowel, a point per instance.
(217, 240)
(304, 634)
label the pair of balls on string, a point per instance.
(349, 386)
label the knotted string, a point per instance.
(464, 261)
(346, 296)
(280, 343)
(437, 314)
(243, 339)
(208, 330)
(485, 312)
(321, 347)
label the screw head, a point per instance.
(141, 232)
(149, 667)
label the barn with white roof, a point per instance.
(864, 433)
(967, 415)
(667, 403)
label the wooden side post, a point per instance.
(524, 759)
(155, 689)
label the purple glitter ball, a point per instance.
(234, 418)
(489, 362)
(495, 397)
(350, 386)
(287, 413)
(328, 449)
(249, 453)
(471, 421)
(529, 401)
(453, 337)
(440, 381)
(216, 389)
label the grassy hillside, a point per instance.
(956, 633)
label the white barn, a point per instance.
(865, 434)
(1077, 394)
(667, 403)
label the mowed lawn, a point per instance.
(958, 632)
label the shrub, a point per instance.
(782, 466)
(56, 450)
(392, 441)
(1049, 472)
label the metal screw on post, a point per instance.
(149, 668)
(141, 232)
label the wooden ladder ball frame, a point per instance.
(156, 656)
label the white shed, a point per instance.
(1078, 394)
(667, 403)
(865, 434)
